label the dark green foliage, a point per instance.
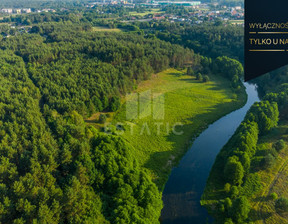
(125, 187)
(268, 161)
(228, 221)
(206, 78)
(274, 196)
(211, 41)
(234, 192)
(53, 167)
(279, 145)
(245, 160)
(266, 114)
(220, 207)
(281, 205)
(190, 71)
(227, 187)
(102, 118)
(229, 68)
(234, 171)
(87, 71)
(240, 209)
(228, 204)
(199, 77)
(251, 185)
(115, 103)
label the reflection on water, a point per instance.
(186, 183)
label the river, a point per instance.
(187, 181)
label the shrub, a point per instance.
(228, 221)
(115, 104)
(206, 78)
(281, 205)
(268, 161)
(190, 71)
(240, 209)
(234, 192)
(199, 77)
(274, 196)
(279, 145)
(102, 118)
(227, 187)
(234, 171)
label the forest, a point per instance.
(211, 40)
(54, 167)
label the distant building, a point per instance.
(9, 11)
(233, 12)
(181, 3)
(26, 10)
(17, 11)
(158, 17)
(52, 10)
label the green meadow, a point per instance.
(274, 180)
(169, 99)
(105, 29)
(151, 11)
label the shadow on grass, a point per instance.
(93, 121)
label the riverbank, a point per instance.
(186, 183)
(188, 101)
(269, 182)
(249, 192)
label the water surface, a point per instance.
(186, 183)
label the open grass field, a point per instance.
(105, 29)
(151, 11)
(236, 21)
(177, 98)
(273, 180)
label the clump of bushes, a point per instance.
(102, 118)
(199, 77)
(281, 205)
(279, 145)
(206, 78)
(274, 196)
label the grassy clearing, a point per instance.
(273, 180)
(236, 21)
(94, 119)
(151, 11)
(193, 103)
(105, 29)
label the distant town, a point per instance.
(197, 12)
(23, 11)
(191, 12)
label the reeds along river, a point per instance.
(186, 183)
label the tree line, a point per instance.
(55, 168)
(232, 173)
